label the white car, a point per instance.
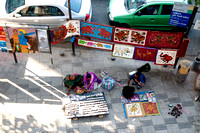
(43, 12)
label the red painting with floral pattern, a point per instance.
(150, 108)
(146, 54)
(164, 39)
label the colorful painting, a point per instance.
(129, 36)
(3, 46)
(23, 40)
(43, 40)
(146, 54)
(98, 31)
(150, 108)
(2, 34)
(73, 28)
(135, 98)
(164, 39)
(95, 44)
(166, 57)
(58, 34)
(143, 97)
(183, 47)
(134, 109)
(124, 51)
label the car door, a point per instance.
(165, 14)
(48, 15)
(146, 16)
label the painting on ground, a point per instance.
(43, 41)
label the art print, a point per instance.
(23, 40)
(43, 40)
(134, 109)
(124, 51)
(166, 57)
(146, 54)
(58, 34)
(129, 36)
(150, 108)
(73, 28)
(98, 31)
(95, 44)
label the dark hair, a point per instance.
(128, 91)
(138, 73)
(88, 75)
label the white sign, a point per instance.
(197, 25)
(180, 7)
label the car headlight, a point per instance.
(111, 17)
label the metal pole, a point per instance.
(70, 18)
(15, 57)
(48, 32)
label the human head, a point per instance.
(137, 74)
(15, 31)
(128, 92)
(71, 77)
(88, 76)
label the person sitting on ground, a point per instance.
(89, 81)
(72, 81)
(138, 79)
(127, 94)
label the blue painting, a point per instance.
(98, 31)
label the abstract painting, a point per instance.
(2, 34)
(134, 109)
(95, 44)
(146, 54)
(23, 40)
(150, 108)
(125, 51)
(166, 57)
(58, 34)
(43, 40)
(129, 36)
(164, 39)
(73, 28)
(99, 31)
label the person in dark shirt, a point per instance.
(138, 79)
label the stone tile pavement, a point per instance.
(31, 93)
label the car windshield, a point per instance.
(132, 5)
(11, 5)
(75, 5)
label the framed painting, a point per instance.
(73, 28)
(150, 108)
(159, 39)
(99, 31)
(58, 34)
(2, 34)
(125, 51)
(23, 40)
(130, 36)
(134, 109)
(43, 40)
(166, 57)
(94, 44)
(145, 54)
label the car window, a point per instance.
(150, 10)
(11, 5)
(75, 5)
(41, 11)
(166, 9)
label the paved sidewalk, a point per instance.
(31, 93)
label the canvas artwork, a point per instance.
(135, 37)
(143, 97)
(95, 44)
(58, 34)
(73, 28)
(134, 109)
(43, 40)
(2, 34)
(135, 98)
(23, 40)
(98, 31)
(124, 51)
(150, 108)
(164, 39)
(146, 54)
(166, 57)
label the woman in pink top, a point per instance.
(89, 80)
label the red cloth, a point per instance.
(146, 54)
(183, 47)
(164, 39)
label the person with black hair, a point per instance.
(138, 79)
(127, 94)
